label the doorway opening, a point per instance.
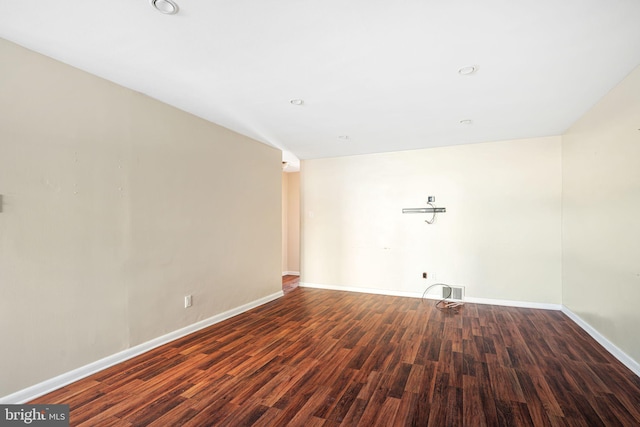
(290, 230)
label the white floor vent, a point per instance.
(453, 293)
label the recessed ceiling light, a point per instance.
(343, 137)
(468, 70)
(297, 101)
(168, 7)
(466, 122)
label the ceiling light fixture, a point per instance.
(297, 101)
(168, 7)
(468, 70)
(466, 122)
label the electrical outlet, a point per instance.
(188, 301)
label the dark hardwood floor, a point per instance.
(327, 358)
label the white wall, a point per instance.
(500, 236)
(601, 216)
(115, 207)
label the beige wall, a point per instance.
(500, 236)
(285, 222)
(601, 216)
(115, 207)
(290, 222)
(293, 225)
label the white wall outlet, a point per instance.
(188, 301)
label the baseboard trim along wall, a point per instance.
(37, 390)
(290, 273)
(363, 290)
(608, 345)
(509, 303)
(523, 304)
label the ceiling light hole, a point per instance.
(297, 101)
(168, 7)
(468, 70)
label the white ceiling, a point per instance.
(382, 72)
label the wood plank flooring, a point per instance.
(327, 358)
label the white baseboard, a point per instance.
(290, 273)
(608, 345)
(510, 303)
(37, 390)
(362, 290)
(522, 304)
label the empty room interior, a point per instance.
(453, 189)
